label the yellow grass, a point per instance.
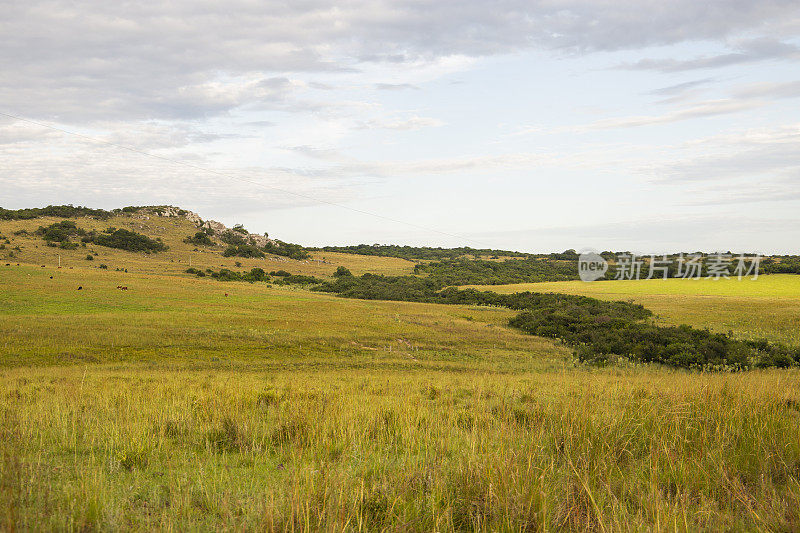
(768, 307)
(179, 256)
(172, 406)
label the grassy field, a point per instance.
(185, 403)
(768, 307)
(173, 406)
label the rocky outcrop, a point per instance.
(170, 211)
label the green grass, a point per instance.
(166, 320)
(119, 448)
(173, 406)
(768, 307)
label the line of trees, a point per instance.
(416, 252)
(279, 277)
(599, 331)
(62, 211)
(482, 272)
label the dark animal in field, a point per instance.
(226, 294)
(51, 277)
(80, 287)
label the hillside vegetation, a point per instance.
(142, 392)
(20, 243)
(171, 405)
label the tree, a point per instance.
(342, 271)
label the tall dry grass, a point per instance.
(105, 448)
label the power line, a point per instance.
(232, 176)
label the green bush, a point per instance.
(60, 231)
(233, 238)
(224, 274)
(201, 238)
(286, 249)
(243, 250)
(126, 240)
(298, 280)
(342, 271)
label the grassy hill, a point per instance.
(187, 403)
(25, 247)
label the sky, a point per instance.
(535, 126)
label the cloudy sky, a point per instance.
(530, 125)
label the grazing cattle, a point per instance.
(226, 294)
(80, 287)
(51, 277)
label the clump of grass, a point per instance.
(228, 437)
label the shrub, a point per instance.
(226, 275)
(59, 231)
(127, 240)
(89, 257)
(286, 249)
(342, 271)
(243, 250)
(233, 238)
(299, 280)
(201, 238)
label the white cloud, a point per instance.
(708, 108)
(91, 60)
(750, 51)
(410, 123)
